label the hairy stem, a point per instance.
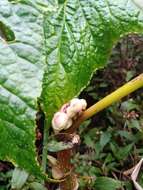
(115, 96)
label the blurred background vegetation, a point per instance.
(111, 141)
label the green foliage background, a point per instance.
(112, 140)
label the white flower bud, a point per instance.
(84, 104)
(69, 124)
(71, 112)
(74, 101)
(76, 107)
(61, 121)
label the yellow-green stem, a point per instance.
(121, 92)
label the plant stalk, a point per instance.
(45, 140)
(115, 96)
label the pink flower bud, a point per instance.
(61, 121)
(76, 107)
(64, 108)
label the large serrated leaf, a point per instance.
(21, 72)
(64, 41)
(80, 35)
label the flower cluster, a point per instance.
(64, 118)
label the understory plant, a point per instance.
(49, 51)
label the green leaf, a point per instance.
(134, 123)
(105, 138)
(55, 146)
(37, 186)
(121, 152)
(127, 135)
(129, 105)
(80, 35)
(50, 49)
(21, 72)
(19, 178)
(106, 183)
